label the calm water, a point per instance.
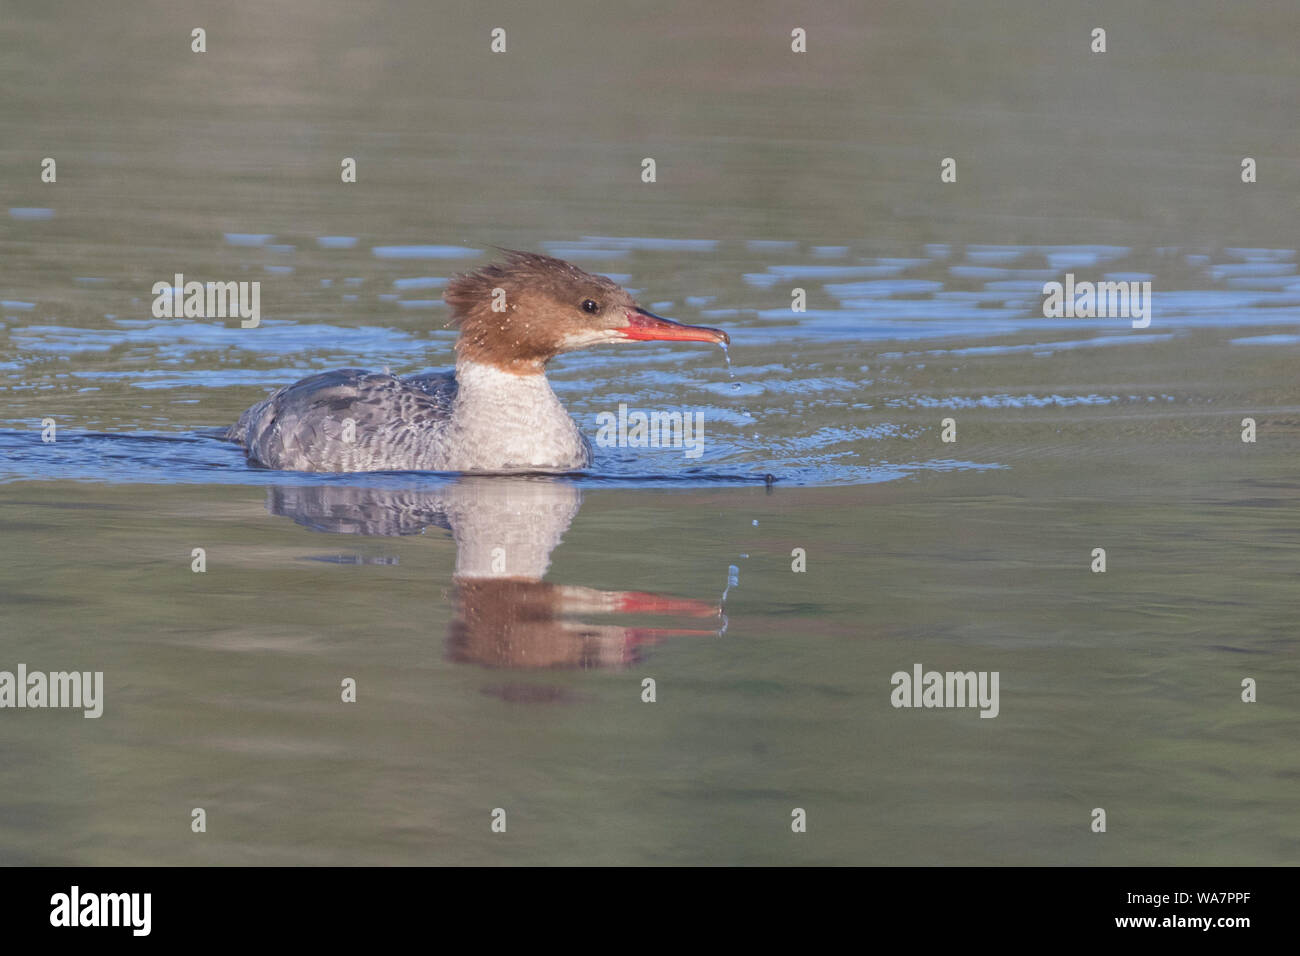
(520, 687)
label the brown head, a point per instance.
(520, 314)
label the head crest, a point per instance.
(469, 292)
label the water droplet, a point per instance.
(733, 580)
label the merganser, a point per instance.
(494, 413)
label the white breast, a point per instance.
(506, 422)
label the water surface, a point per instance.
(500, 630)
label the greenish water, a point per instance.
(522, 688)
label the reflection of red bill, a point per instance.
(642, 602)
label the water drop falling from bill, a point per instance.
(733, 580)
(731, 372)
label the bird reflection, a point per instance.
(504, 614)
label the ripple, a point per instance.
(177, 339)
(999, 401)
(247, 238)
(883, 288)
(1267, 340)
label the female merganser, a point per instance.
(495, 413)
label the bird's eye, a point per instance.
(590, 305)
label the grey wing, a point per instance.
(440, 386)
(348, 509)
(345, 420)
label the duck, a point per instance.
(494, 412)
